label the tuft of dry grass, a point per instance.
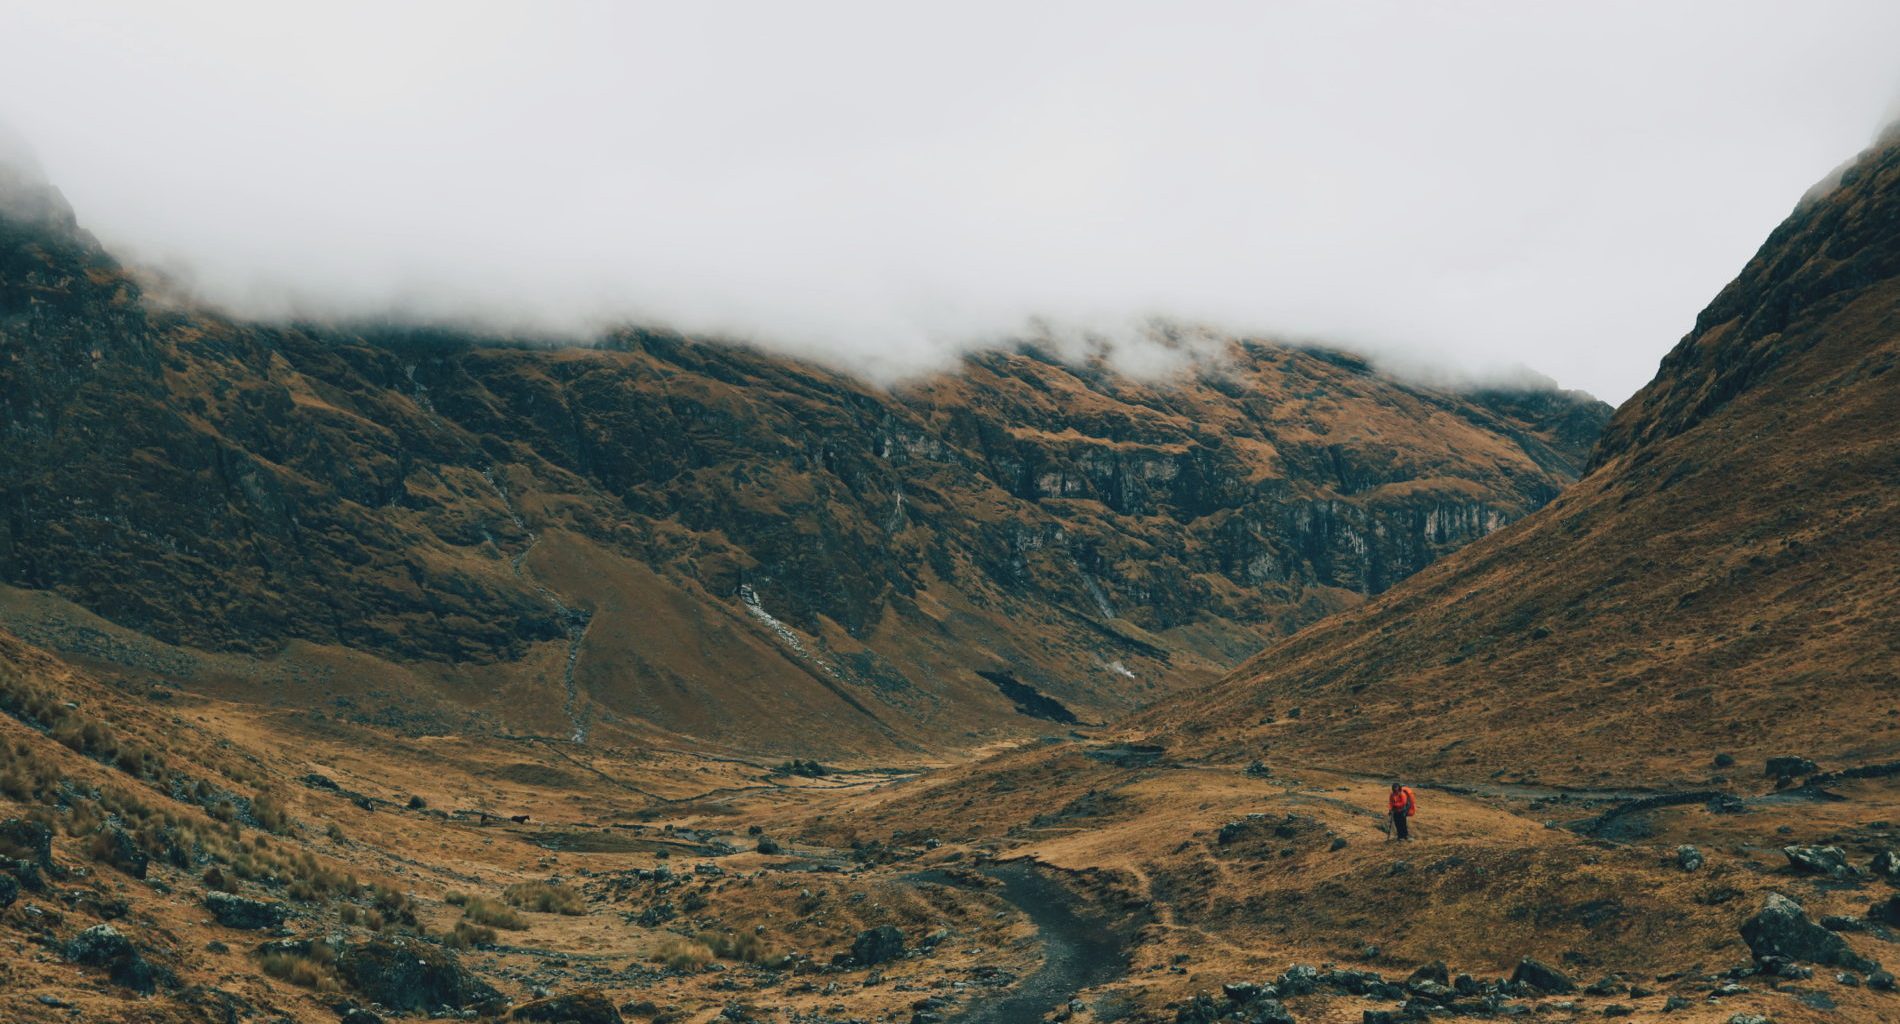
(465, 935)
(744, 947)
(681, 953)
(545, 898)
(493, 913)
(314, 970)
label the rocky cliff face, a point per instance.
(1721, 581)
(431, 498)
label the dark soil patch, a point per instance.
(1029, 700)
(530, 774)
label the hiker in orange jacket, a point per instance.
(1402, 804)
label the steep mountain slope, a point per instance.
(699, 536)
(1725, 580)
(1603, 710)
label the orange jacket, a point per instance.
(1402, 800)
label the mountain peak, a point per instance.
(1836, 243)
(26, 195)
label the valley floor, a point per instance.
(1087, 877)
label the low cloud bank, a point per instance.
(1467, 190)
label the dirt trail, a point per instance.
(1079, 951)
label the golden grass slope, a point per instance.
(1723, 581)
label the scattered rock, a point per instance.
(1880, 981)
(1202, 1009)
(9, 891)
(769, 846)
(1843, 923)
(1725, 760)
(1266, 1011)
(589, 1006)
(358, 1015)
(1886, 911)
(140, 975)
(1688, 858)
(877, 945)
(1543, 977)
(1297, 980)
(1606, 986)
(1726, 803)
(1674, 1003)
(1749, 1018)
(1782, 967)
(1259, 770)
(404, 974)
(1782, 929)
(1240, 991)
(317, 781)
(243, 912)
(1618, 1010)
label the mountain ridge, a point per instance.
(392, 490)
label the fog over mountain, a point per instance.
(1469, 188)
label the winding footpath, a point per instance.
(1079, 951)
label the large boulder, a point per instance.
(1790, 767)
(26, 850)
(877, 945)
(27, 840)
(97, 946)
(1782, 929)
(1542, 977)
(1264, 1010)
(104, 946)
(588, 1006)
(117, 847)
(404, 974)
(1688, 858)
(1819, 860)
(243, 912)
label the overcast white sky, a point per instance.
(1469, 185)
